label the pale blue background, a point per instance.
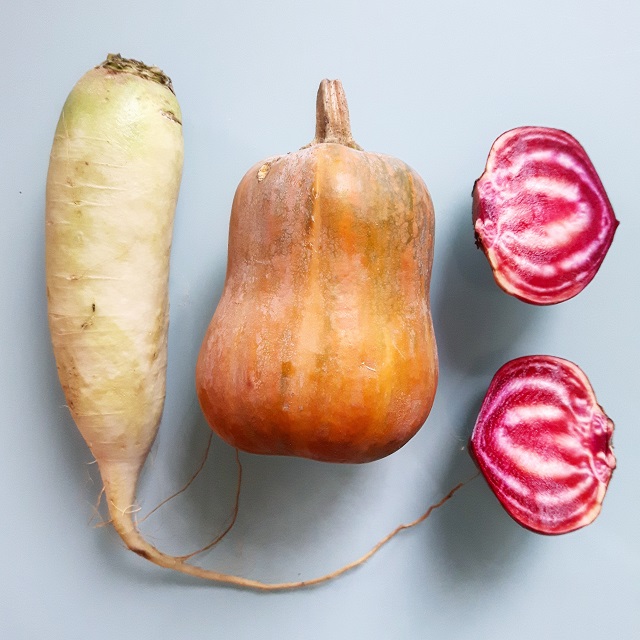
(434, 84)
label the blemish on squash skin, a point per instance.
(263, 171)
(266, 167)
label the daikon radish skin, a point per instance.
(112, 188)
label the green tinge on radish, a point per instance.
(543, 443)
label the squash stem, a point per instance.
(332, 115)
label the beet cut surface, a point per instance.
(543, 443)
(541, 215)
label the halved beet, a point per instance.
(541, 215)
(543, 443)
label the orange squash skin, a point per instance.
(322, 344)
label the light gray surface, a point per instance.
(434, 84)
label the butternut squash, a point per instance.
(322, 344)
